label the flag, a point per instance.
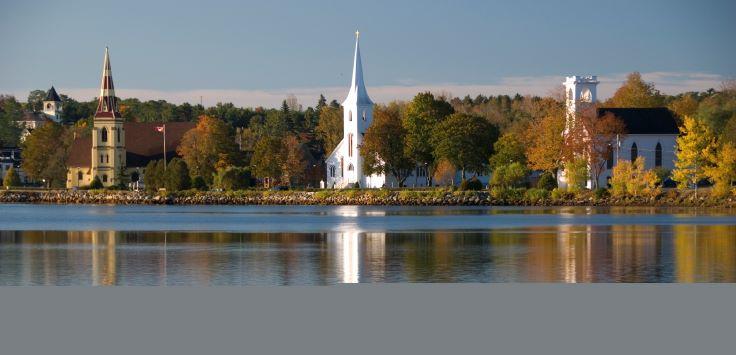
(160, 128)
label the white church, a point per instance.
(650, 132)
(344, 164)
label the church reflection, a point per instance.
(565, 253)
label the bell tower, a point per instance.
(52, 105)
(108, 134)
(357, 116)
(579, 91)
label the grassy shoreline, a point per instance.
(382, 197)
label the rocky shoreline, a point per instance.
(347, 197)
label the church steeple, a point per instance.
(107, 106)
(357, 94)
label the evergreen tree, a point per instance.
(177, 176)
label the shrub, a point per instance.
(576, 173)
(96, 183)
(561, 194)
(507, 194)
(509, 175)
(471, 185)
(199, 183)
(662, 174)
(632, 179)
(11, 178)
(232, 178)
(536, 195)
(547, 181)
(601, 193)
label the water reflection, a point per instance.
(566, 253)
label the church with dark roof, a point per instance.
(651, 133)
(116, 147)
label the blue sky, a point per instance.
(257, 52)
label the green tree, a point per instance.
(267, 160)
(507, 149)
(465, 140)
(10, 112)
(576, 172)
(154, 175)
(694, 145)
(509, 175)
(177, 176)
(294, 161)
(422, 114)
(635, 92)
(35, 100)
(383, 145)
(96, 183)
(233, 178)
(11, 179)
(44, 154)
(329, 128)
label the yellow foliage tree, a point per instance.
(723, 171)
(694, 147)
(633, 179)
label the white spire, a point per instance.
(358, 93)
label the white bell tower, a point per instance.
(52, 105)
(579, 90)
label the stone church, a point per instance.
(117, 148)
(650, 132)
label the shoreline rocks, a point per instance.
(344, 197)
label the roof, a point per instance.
(51, 95)
(33, 116)
(142, 143)
(657, 120)
(357, 94)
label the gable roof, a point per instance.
(657, 120)
(51, 95)
(142, 144)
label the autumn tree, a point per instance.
(267, 162)
(444, 172)
(545, 140)
(594, 137)
(209, 143)
(722, 171)
(694, 145)
(422, 114)
(635, 92)
(329, 129)
(685, 105)
(44, 154)
(11, 179)
(631, 178)
(294, 163)
(383, 145)
(465, 140)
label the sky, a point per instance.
(255, 53)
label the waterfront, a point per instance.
(320, 245)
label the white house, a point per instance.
(650, 132)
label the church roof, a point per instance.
(51, 95)
(107, 105)
(357, 94)
(142, 143)
(657, 120)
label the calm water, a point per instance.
(308, 245)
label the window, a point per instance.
(48, 106)
(586, 96)
(332, 171)
(134, 177)
(658, 155)
(350, 115)
(363, 115)
(117, 134)
(342, 167)
(79, 175)
(350, 167)
(104, 178)
(634, 152)
(102, 158)
(569, 94)
(609, 158)
(103, 135)
(350, 145)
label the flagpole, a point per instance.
(164, 146)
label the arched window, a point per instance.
(350, 115)
(350, 167)
(103, 135)
(658, 155)
(634, 152)
(609, 158)
(48, 106)
(363, 115)
(569, 94)
(102, 158)
(104, 178)
(586, 96)
(79, 175)
(342, 166)
(350, 144)
(332, 171)
(117, 135)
